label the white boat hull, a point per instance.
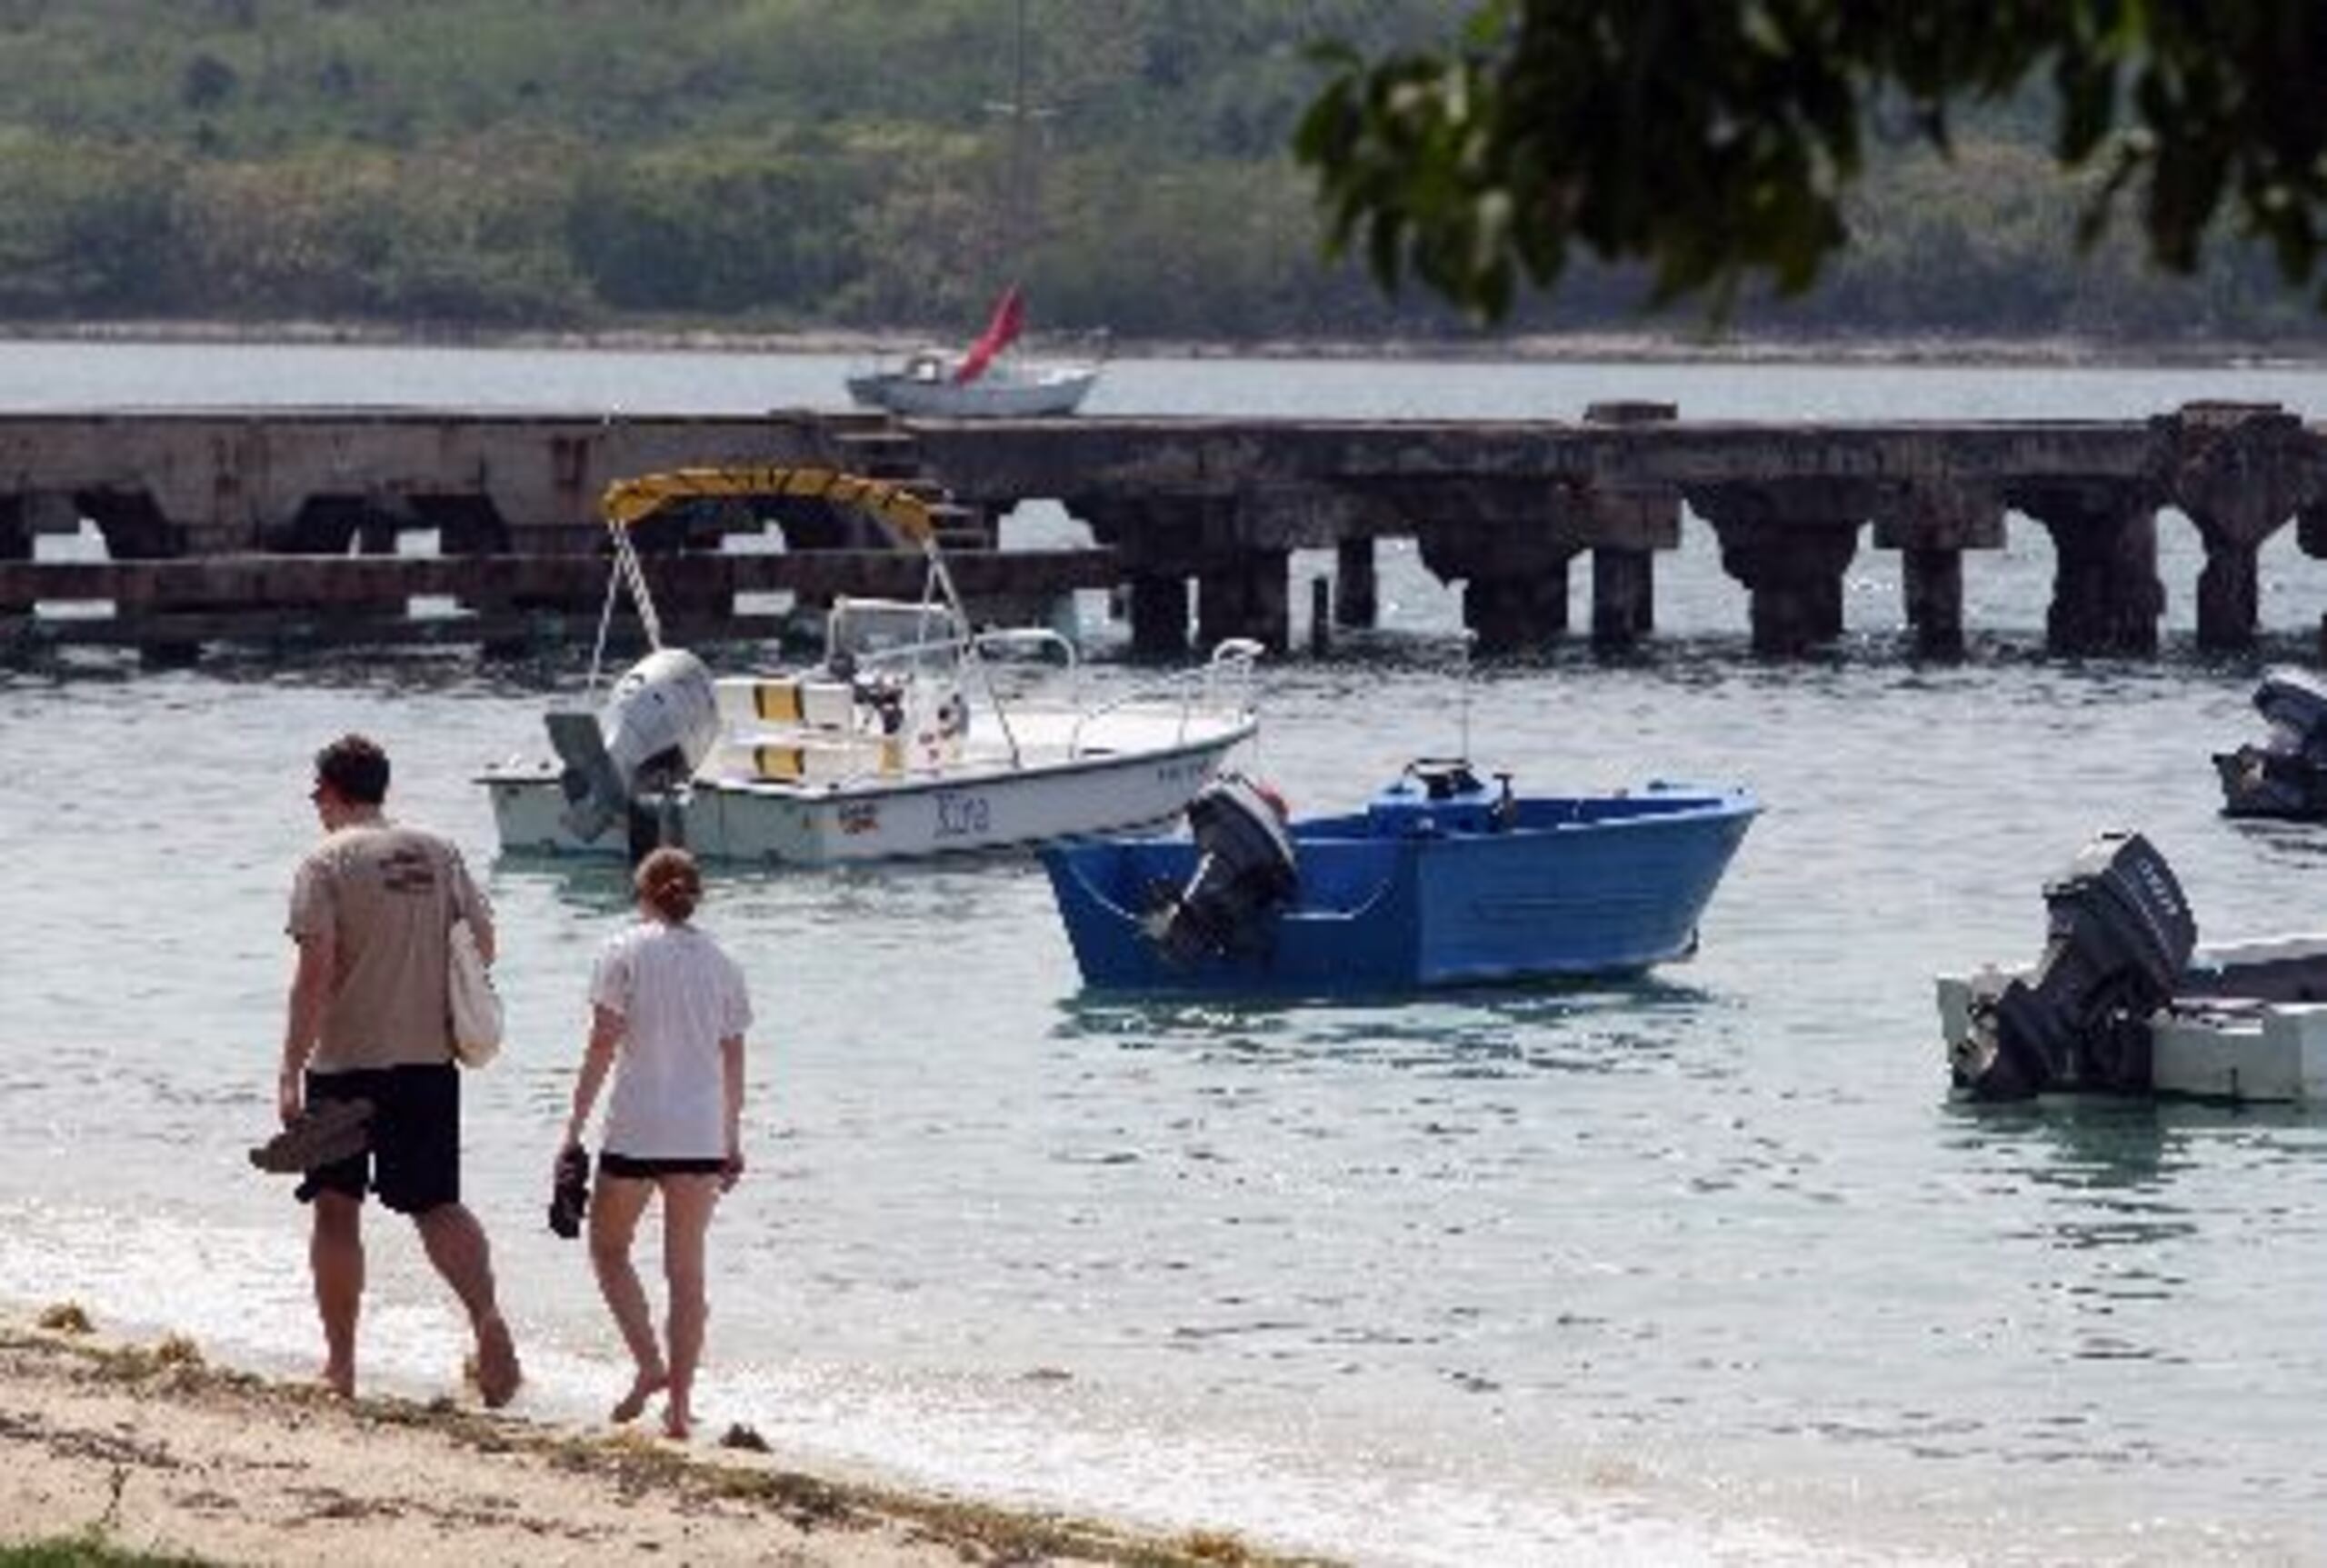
(955, 811)
(1027, 392)
(2246, 1049)
(899, 743)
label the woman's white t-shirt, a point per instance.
(678, 995)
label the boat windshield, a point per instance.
(886, 630)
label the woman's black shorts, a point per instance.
(645, 1170)
(415, 1159)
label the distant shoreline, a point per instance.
(1641, 347)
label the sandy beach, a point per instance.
(149, 1449)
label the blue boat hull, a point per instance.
(1586, 886)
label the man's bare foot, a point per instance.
(645, 1386)
(497, 1372)
(677, 1426)
(338, 1380)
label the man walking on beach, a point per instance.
(368, 1017)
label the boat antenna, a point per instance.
(1463, 685)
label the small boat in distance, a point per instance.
(1440, 881)
(897, 743)
(989, 380)
(2286, 775)
(2124, 1000)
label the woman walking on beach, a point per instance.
(668, 1012)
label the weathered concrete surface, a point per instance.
(1501, 508)
(167, 483)
(500, 601)
(288, 580)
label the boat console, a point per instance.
(2286, 776)
(2123, 1000)
(1441, 795)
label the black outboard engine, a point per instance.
(1245, 872)
(2121, 936)
(2286, 776)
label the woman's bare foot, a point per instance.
(645, 1386)
(677, 1426)
(338, 1381)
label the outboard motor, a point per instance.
(2286, 776)
(2121, 936)
(1245, 872)
(659, 722)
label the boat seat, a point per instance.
(811, 705)
(793, 757)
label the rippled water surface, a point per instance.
(1704, 1267)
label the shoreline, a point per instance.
(146, 1447)
(1606, 347)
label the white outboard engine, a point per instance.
(2121, 936)
(2287, 775)
(1245, 872)
(660, 722)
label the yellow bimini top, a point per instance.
(628, 502)
(901, 511)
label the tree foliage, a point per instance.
(759, 165)
(1715, 142)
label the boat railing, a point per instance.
(1224, 682)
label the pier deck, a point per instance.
(218, 524)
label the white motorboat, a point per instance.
(899, 743)
(2252, 1030)
(2125, 1001)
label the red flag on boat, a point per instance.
(1009, 315)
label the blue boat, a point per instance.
(1442, 880)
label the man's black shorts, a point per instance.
(415, 1160)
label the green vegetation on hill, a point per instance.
(781, 165)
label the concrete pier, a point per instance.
(1357, 588)
(1194, 521)
(2106, 597)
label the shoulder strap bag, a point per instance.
(477, 1006)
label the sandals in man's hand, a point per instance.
(325, 1131)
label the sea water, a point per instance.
(1704, 1267)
